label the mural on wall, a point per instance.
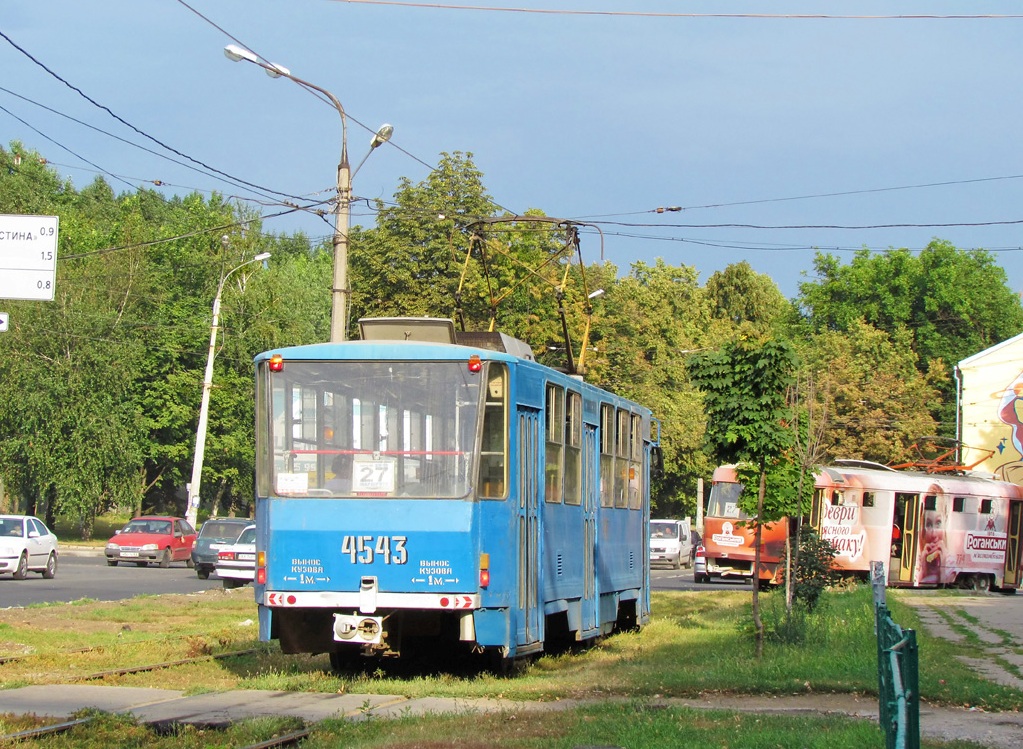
(1008, 458)
(990, 422)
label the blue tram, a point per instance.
(425, 488)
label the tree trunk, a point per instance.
(758, 624)
(218, 497)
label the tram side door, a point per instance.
(904, 537)
(591, 492)
(531, 471)
(1013, 545)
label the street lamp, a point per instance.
(204, 409)
(342, 211)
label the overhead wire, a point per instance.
(315, 93)
(129, 125)
(689, 226)
(670, 14)
(157, 182)
(60, 145)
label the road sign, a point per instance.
(28, 257)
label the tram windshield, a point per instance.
(724, 501)
(369, 429)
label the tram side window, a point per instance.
(494, 450)
(264, 452)
(636, 462)
(958, 504)
(931, 502)
(868, 499)
(986, 506)
(623, 451)
(573, 449)
(607, 455)
(555, 443)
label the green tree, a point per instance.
(410, 263)
(648, 325)
(745, 388)
(742, 296)
(112, 368)
(877, 400)
(952, 303)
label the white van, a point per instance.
(671, 543)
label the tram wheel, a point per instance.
(981, 583)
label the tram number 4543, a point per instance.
(367, 549)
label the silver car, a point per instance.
(27, 545)
(236, 563)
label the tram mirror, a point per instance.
(656, 462)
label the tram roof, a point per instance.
(390, 350)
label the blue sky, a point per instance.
(742, 120)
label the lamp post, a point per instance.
(342, 211)
(204, 409)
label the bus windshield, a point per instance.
(724, 501)
(369, 429)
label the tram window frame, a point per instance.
(607, 454)
(958, 504)
(987, 507)
(573, 460)
(493, 461)
(554, 462)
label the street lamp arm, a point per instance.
(342, 209)
(238, 54)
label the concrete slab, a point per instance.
(63, 700)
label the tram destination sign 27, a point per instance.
(28, 257)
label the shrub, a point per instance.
(815, 570)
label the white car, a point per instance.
(236, 563)
(671, 543)
(27, 545)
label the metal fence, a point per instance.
(898, 672)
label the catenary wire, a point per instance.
(124, 122)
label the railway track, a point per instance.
(293, 738)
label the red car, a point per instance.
(152, 539)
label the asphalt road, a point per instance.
(662, 579)
(86, 575)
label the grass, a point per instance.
(636, 725)
(695, 645)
